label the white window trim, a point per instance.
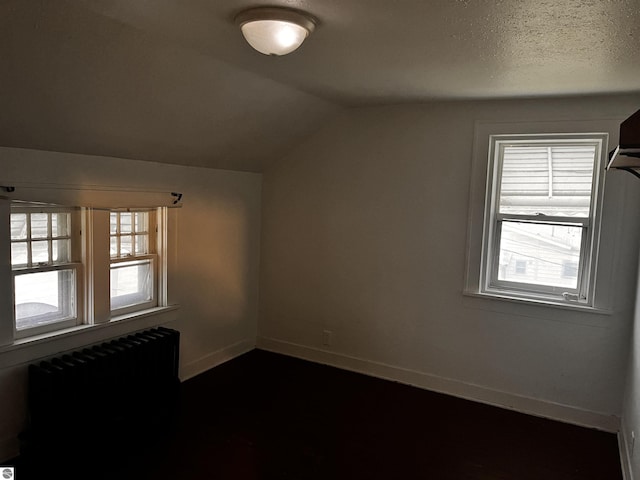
(73, 264)
(58, 324)
(155, 252)
(489, 284)
(601, 302)
(153, 302)
(38, 344)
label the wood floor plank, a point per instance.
(267, 416)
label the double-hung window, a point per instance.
(133, 261)
(72, 267)
(542, 217)
(45, 269)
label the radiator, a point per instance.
(105, 397)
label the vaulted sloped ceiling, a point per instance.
(76, 81)
(173, 81)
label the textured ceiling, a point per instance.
(380, 50)
(173, 80)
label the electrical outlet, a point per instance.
(326, 338)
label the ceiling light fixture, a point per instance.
(275, 30)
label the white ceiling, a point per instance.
(173, 80)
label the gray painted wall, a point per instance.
(364, 235)
(215, 282)
(630, 423)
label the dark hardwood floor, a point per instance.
(267, 416)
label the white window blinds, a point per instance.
(548, 180)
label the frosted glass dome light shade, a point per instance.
(274, 37)
(275, 31)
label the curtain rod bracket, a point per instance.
(178, 197)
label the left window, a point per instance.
(66, 267)
(46, 269)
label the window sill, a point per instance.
(540, 302)
(28, 349)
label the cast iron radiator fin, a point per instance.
(109, 397)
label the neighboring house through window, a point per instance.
(542, 216)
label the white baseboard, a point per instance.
(216, 358)
(625, 456)
(9, 448)
(456, 388)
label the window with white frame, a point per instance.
(74, 266)
(45, 268)
(133, 277)
(542, 214)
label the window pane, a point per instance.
(131, 283)
(61, 250)
(18, 226)
(539, 254)
(552, 180)
(569, 269)
(126, 245)
(113, 223)
(142, 244)
(125, 222)
(44, 297)
(39, 225)
(113, 247)
(19, 254)
(39, 252)
(141, 221)
(60, 225)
